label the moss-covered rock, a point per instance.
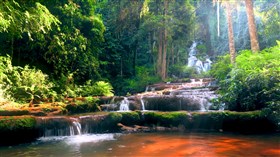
(130, 118)
(109, 124)
(247, 122)
(82, 107)
(17, 129)
(243, 122)
(167, 119)
(206, 121)
(13, 112)
(10, 123)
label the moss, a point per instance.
(13, 112)
(109, 124)
(17, 129)
(207, 120)
(243, 122)
(11, 123)
(167, 119)
(82, 107)
(247, 122)
(130, 118)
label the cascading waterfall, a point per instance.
(59, 126)
(195, 95)
(75, 128)
(124, 105)
(142, 103)
(193, 61)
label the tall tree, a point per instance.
(228, 8)
(230, 32)
(252, 26)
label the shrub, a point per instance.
(221, 69)
(272, 112)
(144, 76)
(23, 84)
(181, 71)
(99, 88)
(253, 82)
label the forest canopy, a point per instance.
(125, 44)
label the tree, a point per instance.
(24, 19)
(252, 26)
(76, 46)
(228, 9)
(230, 33)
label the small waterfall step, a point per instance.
(59, 126)
(124, 105)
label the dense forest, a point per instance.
(68, 48)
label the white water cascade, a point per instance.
(59, 126)
(75, 128)
(124, 105)
(193, 61)
(142, 103)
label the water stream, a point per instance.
(193, 61)
(150, 144)
(124, 105)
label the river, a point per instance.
(150, 144)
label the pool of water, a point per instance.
(150, 144)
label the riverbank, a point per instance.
(19, 129)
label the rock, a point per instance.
(126, 128)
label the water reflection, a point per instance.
(151, 144)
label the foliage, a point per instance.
(201, 49)
(23, 84)
(99, 88)
(181, 71)
(221, 68)
(18, 18)
(2, 98)
(272, 111)
(268, 14)
(74, 41)
(144, 76)
(254, 81)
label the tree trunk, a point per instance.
(172, 54)
(163, 69)
(252, 26)
(230, 34)
(159, 56)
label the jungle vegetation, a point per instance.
(69, 48)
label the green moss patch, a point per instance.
(11, 123)
(244, 122)
(17, 129)
(167, 119)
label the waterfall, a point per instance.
(193, 61)
(124, 105)
(75, 128)
(59, 126)
(142, 103)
